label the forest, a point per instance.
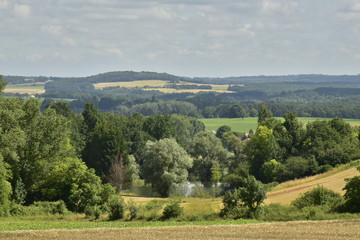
(80, 161)
(307, 95)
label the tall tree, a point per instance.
(261, 148)
(105, 144)
(207, 150)
(263, 114)
(2, 84)
(165, 163)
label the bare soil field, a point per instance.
(314, 230)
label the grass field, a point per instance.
(315, 230)
(245, 124)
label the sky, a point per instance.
(193, 38)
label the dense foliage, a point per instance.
(83, 159)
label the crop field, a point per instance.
(315, 230)
(159, 85)
(140, 83)
(192, 206)
(32, 88)
(171, 90)
(287, 192)
(245, 124)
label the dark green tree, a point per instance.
(2, 84)
(207, 150)
(263, 114)
(352, 194)
(106, 144)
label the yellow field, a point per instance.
(157, 85)
(287, 192)
(171, 90)
(315, 230)
(140, 83)
(29, 88)
(24, 90)
(191, 206)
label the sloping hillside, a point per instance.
(286, 192)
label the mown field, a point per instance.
(31, 88)
(315, 230)
(76, 226)
(159, 85)
(334, 180)
(245, 124)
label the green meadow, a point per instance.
(245, 124)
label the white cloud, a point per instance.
(356, 7)
(22, 11)
(4, 4)
(51, 29)
(115, 51)
(269, 6)
(161, 12)
(68, 41)
(33, 57)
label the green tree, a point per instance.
(352, 194)
(269, 170)
(221, 130)
(263, 114)
(165, 163)
(292, 139)
(244, 201)
(253, 194)
(159, 126)
(91, 116)
(207, 150)
(319, 196)
(106, 143)
(5, 189)
(261, 148)
(2, 84)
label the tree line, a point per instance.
(84, 159)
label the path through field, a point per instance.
(285, 193)
(319, 230)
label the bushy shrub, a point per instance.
(172, 210)
(116, 206)
(152, 210)
(93, 211)
(324, 168)
(352, 194)
(278, 212)
(245, 201)
(39, 208)
(296, 167)
(319, 196)
(133, 209)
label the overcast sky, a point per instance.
(182, 37)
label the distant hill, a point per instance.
(301, 78)
(132, 76)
